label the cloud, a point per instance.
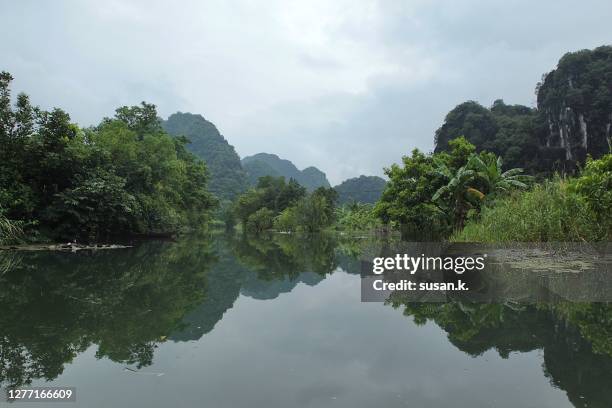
(347, 86)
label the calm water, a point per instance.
(278, 322)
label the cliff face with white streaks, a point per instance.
(575, 101)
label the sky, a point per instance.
(348, 86)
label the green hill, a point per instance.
(266, 164)
(362, 189)
(228, 179)
(573, 118)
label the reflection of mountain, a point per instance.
(261, 268)
(127, 302)
(223, 287)
(577, 355)
(265, 290)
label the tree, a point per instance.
(97, 207)
(471, 120)
(271, 193)
(123, 176)
(457, 193)
(261, 220)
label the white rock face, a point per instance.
(583, 130)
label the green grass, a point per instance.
(10, 231)
(548, 212)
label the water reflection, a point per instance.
(55, 305)
(576, 339)
(127, 302)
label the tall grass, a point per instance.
(548, 212)
(10, 231)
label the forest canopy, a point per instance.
(124, 176)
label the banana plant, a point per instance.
(458, 191)
(494, 180)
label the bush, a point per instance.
(260, 220)
(287, 220)
(594, 186)
(310, 214)
(549, 212)
(357, 217)
(574, 210)
(10, 231)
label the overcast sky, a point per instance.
(345, 85)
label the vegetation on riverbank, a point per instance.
(128, 176)
(125, 176)
(439, 192)
(575, 209)
(285, 206)
(460, 194)
(10, 231)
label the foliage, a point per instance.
(362, 189)
(548, 212)
(435, 193)
(469, 119)
(476, 183)
(10, 231)
(270, 193)
(560, 210)
(312, 213)
(124, 176)
(261, 220)
(407, 198)
(98, 206)
(509, 131)
(594, 186)
(227, 178)
(357, 217)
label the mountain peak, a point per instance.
(268, 164)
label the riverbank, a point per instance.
(68, 247)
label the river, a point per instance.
(231, 321)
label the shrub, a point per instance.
(558, 210)
(549, 212)
(260, 220)
(594, 186)
(357, 217)
(10, 231)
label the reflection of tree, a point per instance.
(574, 338)
(261, 267)
(280, 256)
(125, 301)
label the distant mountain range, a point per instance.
(266, 164)
(230, 176)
